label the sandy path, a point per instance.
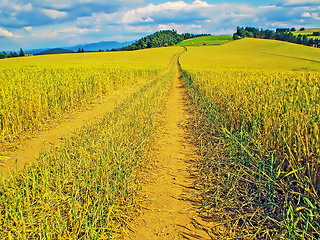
(30, 149)
(168, 212)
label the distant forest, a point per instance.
(282, 34)
(161, 39)
(11, 54)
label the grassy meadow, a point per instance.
(258, 113)
(206, 41)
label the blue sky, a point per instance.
(56, 23)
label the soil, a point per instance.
(169, 210)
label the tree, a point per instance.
(79, 50)
(305, 40)
(293, 29)
(299, 39)
(292, 38)
(236, 36)
(311, 42)
(279, 30)
(302, 29)
(13, 54)
(316, 43)
(4, 54)
(21, 54)
(82, 50)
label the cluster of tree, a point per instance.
(11, 54)
(282, 34)
(80, 50)
(161, 39)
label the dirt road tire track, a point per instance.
(169, 211)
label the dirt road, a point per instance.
(169, 211)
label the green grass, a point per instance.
(254, 53)
(206, 41)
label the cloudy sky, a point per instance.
(56, 23)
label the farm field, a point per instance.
(215, 142)
(40, 89)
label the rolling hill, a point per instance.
(55, 51)
(256, 53)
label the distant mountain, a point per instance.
(55, 51)
(91, 47)
(94, 47)
(35, 51)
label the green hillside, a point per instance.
(206, 41)
(55, 51)
(163, 38)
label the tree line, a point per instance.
(160, 39)
(282, 34)
(11, 54)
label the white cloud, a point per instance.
(28, 29)
(5, 33)
(165, 10)
(148, 19)
(301, 2)
(315, 16)
(306, 14)
(17, 7)
(54, 13)
(140, 29)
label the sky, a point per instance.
(31, 24)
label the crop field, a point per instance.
(84, 188)
(265, 177)
(206, 41)
(37, 90)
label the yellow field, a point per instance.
(271, 117)
(256, 121)
(150, 58)
(36, 90)
(255, 54)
